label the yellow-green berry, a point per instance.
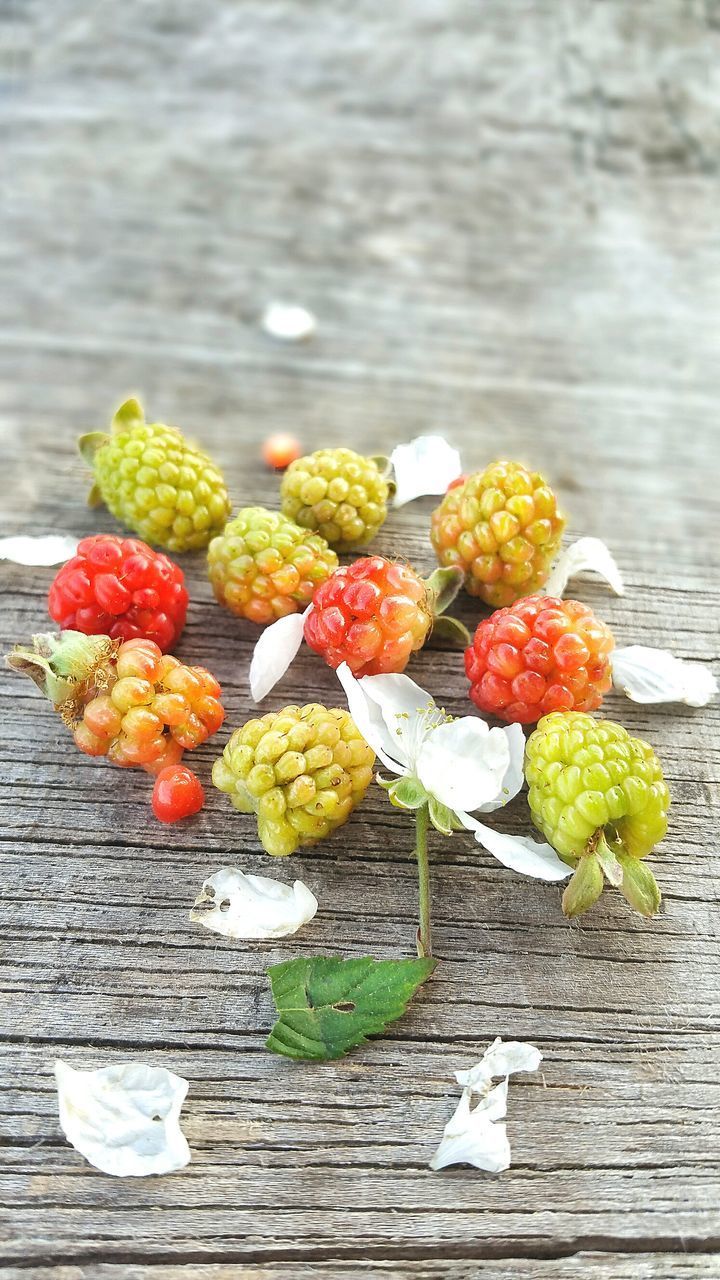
(155, 482)
(337, 492)
(501, 526)
(263, 565)
(301, 770)
(597, 793)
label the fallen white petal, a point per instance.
(514, 775)
(274, 652)
(125, 1119)
(502, 1059)
(654, 675)
(55, 548)
(246, 906)
(426, 465)
(288, 322)
(463, 762)
(587, 555)
(474, 1135)
(519, 853)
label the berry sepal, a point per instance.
(64, 666)
(639, 886)
(584, 887)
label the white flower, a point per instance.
(55, 548)
(586, 555)
(125, 1119)
(653, 675)
(473, 1134)
(241, 906)
(426, 465)
(460, 764)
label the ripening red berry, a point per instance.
(537, 656)
(177, 794)
(121, 588)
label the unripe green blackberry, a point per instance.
(502, 526)
(155, 482)
(599, 798)
(301, 770)
(340, 494)
(263, 566)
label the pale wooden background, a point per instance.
(505, 218)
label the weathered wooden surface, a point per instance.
(505, 219)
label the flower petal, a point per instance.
(473, 1135)
(55, 548)
(519, 853)
(288, 322)
(503, 1058)
(125, 1119)
(369, 720)
(514, 776)
(408, 713)
(586, 555)
(463, 762)
(426, 465)
(240, 906)
(654, 675)
(274, 652)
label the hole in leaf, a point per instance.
(345, 1006)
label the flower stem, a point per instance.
(424, 938)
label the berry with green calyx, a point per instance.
(598, 796)
(127, 701)
(338, 493)
(302, 770)
(503, 528)
(264, 566)
(155, 482)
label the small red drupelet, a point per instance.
(178, 793)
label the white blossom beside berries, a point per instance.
(54, 548)
(252, 907)
(587, 555)
(427, 465)
(124, 1119)
(275, 650)
(454, 765)
(474, 1134)
(654, 675)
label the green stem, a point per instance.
(424, 937)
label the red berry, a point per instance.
(537, 656)
(177, 793)
(122, 588)
(371, 614)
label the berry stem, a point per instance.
(424, 935)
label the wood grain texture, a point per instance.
(504, 218)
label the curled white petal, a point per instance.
(288, 322)
(274, 652)
(463, 762)
(245, 906)
(519, 853)
(514, 775)
(474, 1134)
(502, 1059)
(55, 548)
(426, 465)
(654, 675)
(369, 720)
(393, 714)
(124, 1119)
(587, 555)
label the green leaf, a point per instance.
(407, 793)
(327, 1006)
(130, 411)
(639, 886)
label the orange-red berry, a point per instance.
(177, 793)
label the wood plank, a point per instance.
(506, 224)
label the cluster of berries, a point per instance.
(596, 794)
